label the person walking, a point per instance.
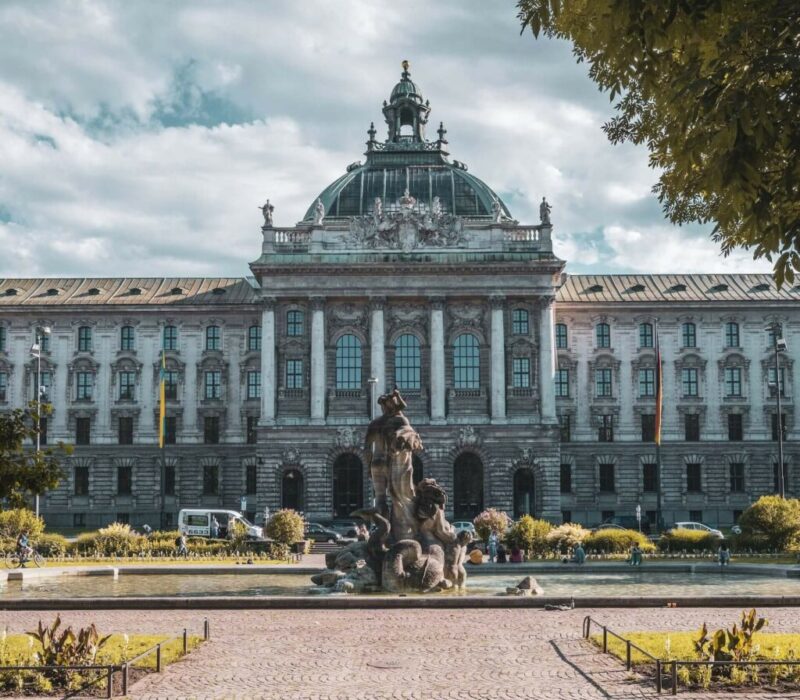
(491, 546)
(214, 527)
(724, 554)
(181, 543)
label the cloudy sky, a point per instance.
(139, 138)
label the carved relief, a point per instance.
(291, 455)
(408, 315)
(346, 437)
(468, 437)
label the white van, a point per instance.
(197, 522)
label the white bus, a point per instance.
(198, 522)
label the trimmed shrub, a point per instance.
(51, 545)
(116, 539)
(489, 520)
(771, 522)
(17, 520)
(682, 540)
(613, 541)
(286, 527)
(529, 534)
(566, 537)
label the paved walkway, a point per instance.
(382, 654)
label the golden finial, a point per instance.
(405, 65)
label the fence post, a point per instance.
(605, 639)
(185, 642)
(628, 654)
(158, 658)
(674, 677)
(658, 676)
(124, 679)
(206, 630)
(587, 624)
(110, 682)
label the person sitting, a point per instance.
(475, 556)
(724, 554)
(578, 555)
(636, 556)
(502, 557)
(516, 555)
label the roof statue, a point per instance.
(544, 211)
(266, 210)
(319, 212)
(497, 210)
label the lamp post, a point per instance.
(779, 346)
(36, 351)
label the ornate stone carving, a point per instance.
(407, 315)
(291, 455)
(467, 315)
(468, 437)
(525, 459)
(346, 437)
(347, 315)
(319, 213)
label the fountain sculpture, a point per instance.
(412, 547)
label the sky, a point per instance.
(140, 138)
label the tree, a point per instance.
(24, 472)
(711, 87)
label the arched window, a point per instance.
(645, 335)
(466, 362)
(467, 486)
(603, 335)
(213, 338)
(407, 362)
(294, 323)
(348, 362)
(348, 485)
(292, 490)
(523, 492)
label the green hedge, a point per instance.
(770, 524)
(681, 540)
(613, 541)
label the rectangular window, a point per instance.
(735, 432)
(736, 470)
(46, 383)
(170, 430)
(771, 383)
(564, 424)
(254, 339)
(648, 427)
(81, 481)
(127, 382)
(774, 425)
(124, 481)
(645, 335)
(566, 478)
(785, 476)
(294, 323)
(691, 427)
(602, 382)
(294, 374)
(603, 335)
(696, 516)
(3, 385)
(79, 520)
(211, 430)
(2, 338)
(519, 322)
(213, 338)
(254, 384)
(606, 515)
(126, 338)
(731, 335)
(83, 431)
(210, 480)
(213, 384)
(171, 384)
(566, 516)
(250, 479)
(521, 372)
(252, 430)
(84, 339)
(125, 430)
(170, 338)
(169, 480)
(606, 431)
(84, 386)
(123, 518)
(733, 381)
(649, 477)
(694, 482)
(689, 381)
(647, 382)
(562, 339)
(689, 335)
(606, 478)
(562, 383)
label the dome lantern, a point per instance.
(406, 112)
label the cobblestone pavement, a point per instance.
(425, 654)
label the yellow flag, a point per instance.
(162, 396)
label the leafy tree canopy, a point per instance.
(711, 87)
(24, 472)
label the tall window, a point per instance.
(733, 381)
(170, 430)
(603, 335)
(171, 384)
(294, 374)
(3, 386)
(562, 339)
(519, 322)
(689, 335)
(170, 338)
(566, 477)
(562, 383)
(605, 432)
(407, 362)
(126, 338)
(649, 477)
(564, 426)
(689, 381)
(254, 339)
(84, 385)
(735, 431)
(772, 384)
(84, 339)
(521, 372)
(736, 470)
(127, 382)
(169, 480)
(348, 362)
(81, 481)
(2, 338)
(213, 338)
(645, 335)
(211, 430)
(466, 362)
(694, 482)
(210, 480)
(294, 323)
(124, 481)
(250, 479)
(125, 430)
(602, 382)
(607, 478)
(254, 384)
(731, 335)
(83, 431)
(691, 427)
(647, 382)
(45, 385)
(44, 342)
(213, 384)
(648, 427)
(252, 430)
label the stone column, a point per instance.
(547, 357)
(268, 374)
(318, 360)
(437, 361)
(377, 347)
(498, 360)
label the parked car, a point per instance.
(608, 526)
(698, 526)
(318, 533)
(197, 522)
(346, 528)
(629, 522)
(465, 526)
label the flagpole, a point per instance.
(162, 429)
(659, 420)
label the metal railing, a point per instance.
(109, 670)
(671, 664)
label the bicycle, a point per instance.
(15, 561)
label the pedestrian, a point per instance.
(491, 545)
(181, 544)
(578, 555)
(501, 554)
(214, 527)
(516, 555)
(724, 554)
(636, 556)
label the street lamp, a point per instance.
(36, 351)
(779, 346)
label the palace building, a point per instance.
(533, 390)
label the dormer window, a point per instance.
(677, 288)
(218, 291)
(11, 292)
(594, 289)
(52, 292)
(722, 287)
(176, 291)
(93, 292)
(134, 291)
(763, 287)
(637, 288)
